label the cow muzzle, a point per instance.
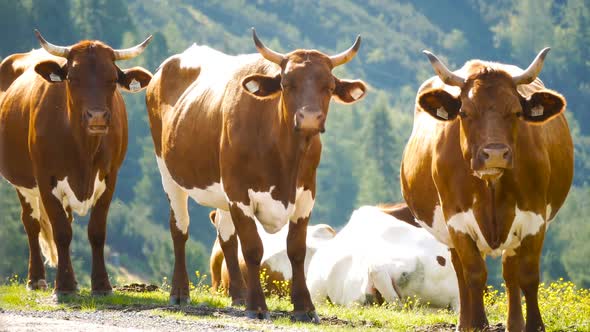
(97, 122)
(310, 121)
(492, 160)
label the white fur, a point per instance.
(48, 248)
(272, 214)
(525, 223)
(439, 227)
(64, 193)
(177, 196)
(303, 204)
(374, 250)
(224, 224)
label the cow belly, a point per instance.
(525, 223)
(64, 193)
(212, 196)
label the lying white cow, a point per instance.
(275, 260)
(378, 255)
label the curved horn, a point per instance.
(447, 76)
(132, 52)
(61, 51)
(266, 52)
(531, 73)
(344, 57)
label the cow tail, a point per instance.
(47, 243)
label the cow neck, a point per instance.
(293, 145)
(87, 146)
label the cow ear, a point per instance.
(134, 79)
(348, 92)
(212, 215)
(262, 86)
(52, 71)
(440, 104)
(542, 106)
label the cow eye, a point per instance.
(462, 114)
(518, 114)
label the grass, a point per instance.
(564, 307)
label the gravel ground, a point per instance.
(118, 321)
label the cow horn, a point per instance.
(531, 73)
(266, 52)
(447, 76)
(344, 57)
(132, 52)
(60, 51)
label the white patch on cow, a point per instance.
(177, 196)
(212, 196)
(537, 110)
(134, 85)
(357, 93)
(548, 213)
(253, 86)
(303, 204)
(64, 193)
(525, 223)
(33, 198)
(441, 113)
(272, 214)
(439, 227)
(470, 94)
(224, 224)
(54, 78)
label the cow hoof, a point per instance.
(306, 317)
(261, 315)
(105, 292)
(40, 284)
(179, 300)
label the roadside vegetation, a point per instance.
(564, 306)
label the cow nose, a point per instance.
(495, 155)
(97, 120)
(310, 120)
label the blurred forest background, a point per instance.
(363, 143)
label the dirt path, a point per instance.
(111, 320)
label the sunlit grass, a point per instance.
(564, 307)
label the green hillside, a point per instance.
(363, 144)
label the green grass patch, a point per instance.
(564, 307)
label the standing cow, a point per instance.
(488, 165)
(243, 138)
(63, 137)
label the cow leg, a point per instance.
(61, 223)
(97, 232)
(304, 310)
(475, 276)
(529, 256)
(510, 272)
(36, 276)
(228, 240)
(252, 251)
(464, 297)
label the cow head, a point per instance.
(91, 77)
(306, 84)
(490, 109)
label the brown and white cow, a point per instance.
(244, 138)
(275, 261)
(488, 165)
(63, 137)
